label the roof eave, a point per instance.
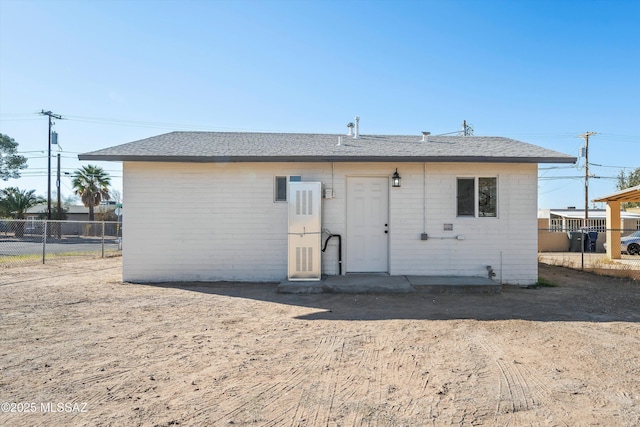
(320, 158)
(631, 194)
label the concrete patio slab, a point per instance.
(382, 283)
(454, 284)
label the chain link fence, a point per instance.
(586, 250)
(30, 241)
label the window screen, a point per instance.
(466, 190)
(281, 189)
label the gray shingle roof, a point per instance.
(298, 147)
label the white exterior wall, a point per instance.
(207, 222)
(507, 243)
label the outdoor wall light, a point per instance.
(395, 179)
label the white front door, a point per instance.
(367, 224)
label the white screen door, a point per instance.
(367, 224)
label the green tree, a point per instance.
(15, 202)
(628, 180)
(54, 213)
(91, 183)
(10, 162)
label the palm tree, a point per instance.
(15, 202)
(91, 183)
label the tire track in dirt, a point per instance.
(297, 412)
(519, 389)
(402, 380)
(310, 404)
(613, 369)
(445, 400)
(367, 404)
(113, 384)
(355, 389)
(287, 395)
(333, 384)
(387, 388)
(336, 398)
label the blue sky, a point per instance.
(541, 71)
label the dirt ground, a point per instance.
(78, 347)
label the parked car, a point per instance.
(630, 244)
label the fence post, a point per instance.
(44, 240)
(582, 240)
(102, 239)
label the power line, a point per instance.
(620, 137)
(25, 119)
(556, 167)
(551, 178)
(138, 123)
(63, 169)
(615, 167)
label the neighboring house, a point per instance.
(206, 206)
(74, 214)
(570, 219)
(614, 221)
(555, 224)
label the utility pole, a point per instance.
(58, 190)
(58, 212)
(467, 130)
(55, 116)
(586, 136)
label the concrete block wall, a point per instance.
(207, 222)
(507, 243)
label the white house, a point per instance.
(207, 206)
(570, 219)
(555, 226)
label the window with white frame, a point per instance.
(477, 197)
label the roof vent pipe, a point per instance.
(425, 136)
(350, 126)
(357, 135)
